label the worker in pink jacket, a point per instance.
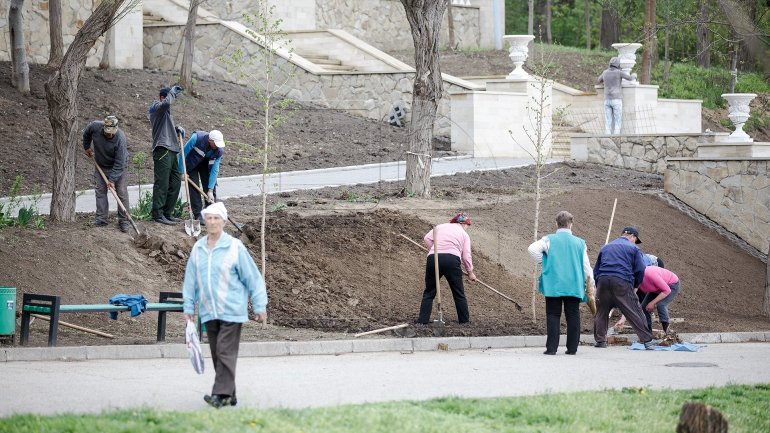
(454, 248)
(660, 287)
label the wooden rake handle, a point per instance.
(114, 194)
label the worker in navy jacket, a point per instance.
(202, 154)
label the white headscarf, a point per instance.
(217, 209)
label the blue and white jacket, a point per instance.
(222, 281)
(196, 151)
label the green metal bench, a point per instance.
(50, 305)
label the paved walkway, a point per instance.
(243, 186)
(90, 386)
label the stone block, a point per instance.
(383, 345)
(453, 343)
(177, 351)
(45, 353)
(706, 338)
(264, 348)
(320, 347)
(502, 342)
(534, 340)
(123, 352)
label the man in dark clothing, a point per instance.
(202, 154)
(165, 148)
(110, 151)
(618, 270)
(612, 77)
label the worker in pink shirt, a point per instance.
(660, 287)
(454, 247)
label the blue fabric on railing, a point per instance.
(137, 303)
(676, 347)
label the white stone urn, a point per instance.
(627, 55)
(518, 52)
(739, 114)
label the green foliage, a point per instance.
(26, 216)
(137, 162)
(352, 197)
(142, 211)
(687, 81)
(278, 207)
(632, 410)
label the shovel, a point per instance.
(208, 202)
(438, 325)
(115, 194)
(192, 227)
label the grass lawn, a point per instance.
(746, 408)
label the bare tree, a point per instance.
(424, 18)
(450, 25)
(185, 73)
(55, 31)
(667, 43)
(587, 14)
(19, 65)
(610, 27)
(650, 42)
(105, 62)
(548, 21)
(61, 94)
(703, 55)
(766, 303)
(739, 15)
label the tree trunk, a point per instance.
(650, 44)
(548, 21)
(531, 17)
(19, 65)
(766, 300)
(60, 93)
(105, 62)
(54, 28)
(424, 18)
(450, 25)
(703, 57)
(587, 14)
(741, 16)
(185, 73)
(609, 33)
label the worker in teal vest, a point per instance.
(563, 280)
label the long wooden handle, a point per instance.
(115, 194)
(79, 328)
(376, 331)
(200, 190)
(612, 217)
(518, 307)
(184, 174)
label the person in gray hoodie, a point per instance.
(110, 151)
(612, 77)
(165, 148)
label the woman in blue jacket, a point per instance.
(222, 277)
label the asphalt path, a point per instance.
(50, 387)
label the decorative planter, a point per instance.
(627, 55)
(518, 53)
(739, 114)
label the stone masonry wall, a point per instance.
(733, 193)
(381, 23)
(640, 152)
(36, 30)
(368, 95)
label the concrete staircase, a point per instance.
(338, 51)
(560, 149)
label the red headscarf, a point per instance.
(461, 218)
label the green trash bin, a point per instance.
(7, 310)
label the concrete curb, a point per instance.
(331, 347)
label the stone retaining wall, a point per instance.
(647, 153)
(36, 30)
(734, 193)
(369, 95)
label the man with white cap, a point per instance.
(110, 151)
(202, 154)
(222, 277)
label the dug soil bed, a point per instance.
(337, 262)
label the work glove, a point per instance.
(180, 130)
(210, 196)
(177, 89)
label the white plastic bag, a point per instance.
(194, 347)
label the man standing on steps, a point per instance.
(618, 270)
(563, 278)
(165, 148)
(202, 154)
(110, 151)
(612, 77)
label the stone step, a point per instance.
(324, 61)
(346, 68)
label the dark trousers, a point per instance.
(449, 267)
(200, 175)
(553, 307)
(617, 292)
(662, 306)
(224, 340)
(100, 192)
(167, 181)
